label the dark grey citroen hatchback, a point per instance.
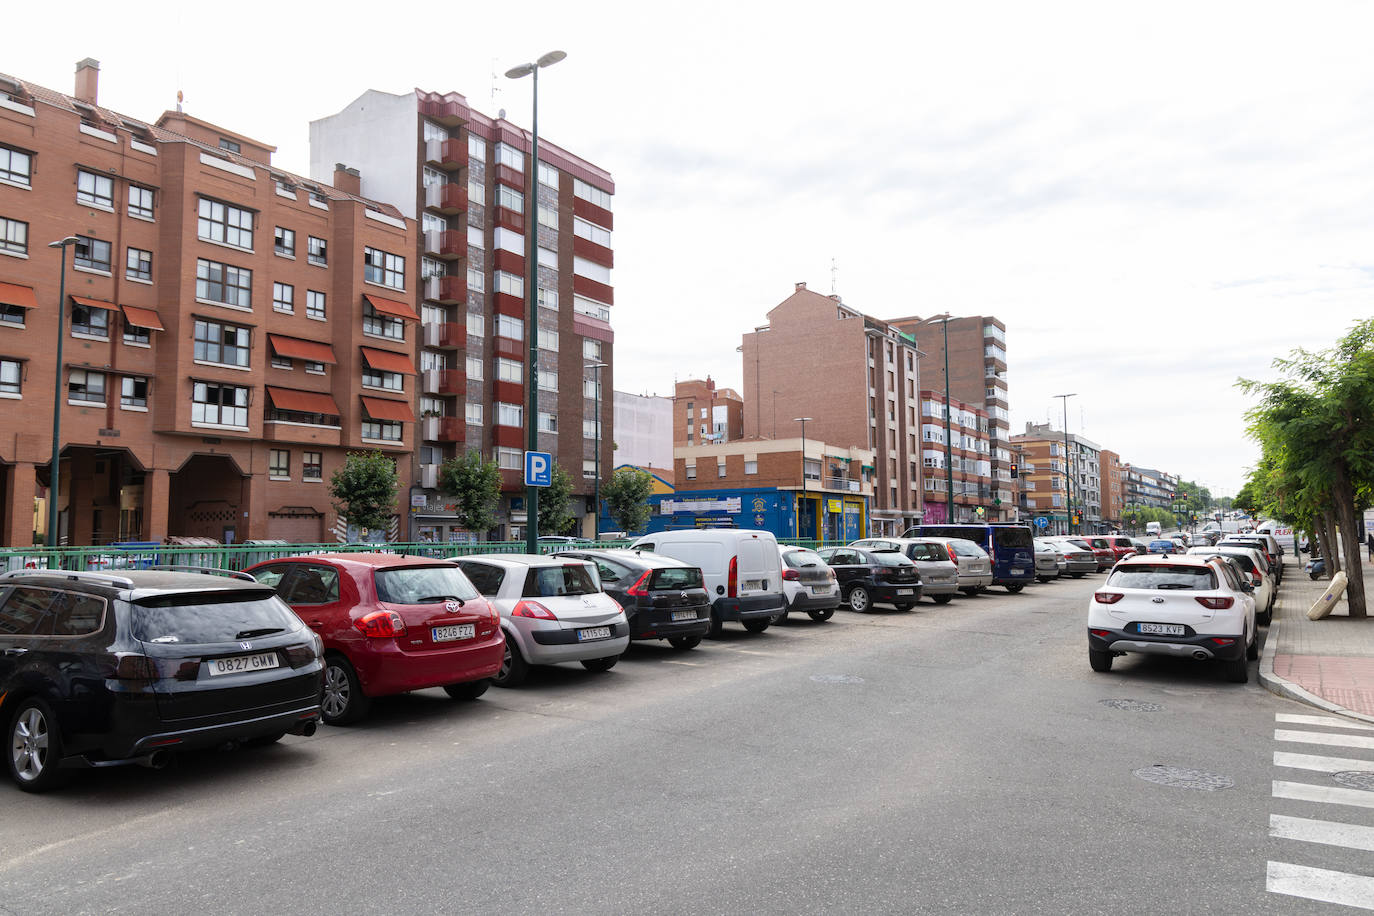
(101, 670)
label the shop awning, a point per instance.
(142, 318)
(302, 401)
(14, 294)
(392, 307)
(94, 303)
(388, 361)
(383, 409)
(295, 348)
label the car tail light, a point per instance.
(832, 573)
(381, 625)
(134, 667)
(532, 609)
(298, 656)
(1101, 634)
(1255, 579)
(1223, 641)
(1107, 597)
(791, 575)
(949, 549)
(732, 583)
(641, 587)
(1215, 603)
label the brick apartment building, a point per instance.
(1043, 450)
(1149, 487)
(1113, 477)
(467, 178)
(704, 413)
(978, 378)
(970, 468)
(231, 331)
(856, 378)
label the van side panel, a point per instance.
(708, 557)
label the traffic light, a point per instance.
(1013, 470)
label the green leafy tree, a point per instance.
(364, 490)
(556, 515)
(627, 498)
(475, 485)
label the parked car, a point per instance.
(1009, 547)
(662, 598)
(935, 562)
(808, 584)
(1120, 545)
(1098, 546)
(869, 577)
(741, 568)
(1078, 561)
(1164, 546)
(1252, 564)
(552, 610)
(102, 670)
(1273, 551)
(1049, 563)
(390, 624)
(1142, 546)
(973, 562)
(1183, 606)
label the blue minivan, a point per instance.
(1011, 547)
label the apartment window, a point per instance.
(222, 283)
(591, 429)
(312, 466)
(140, 202)
(374, 322)
(510, 198)
(225, 223)
(432, 267)
(277, 415)
(512, 328)
(509, 155)
(547, 258)
(15, 167)
(11, 377)
(431, 359)
(90, 321)
(314, 368)
(135, 335)
(475, 368)
(588, 469)
(88, 387)
(591, 270)
(139, 265)
(476, 280)
(225, 344)
(548, 339)
(14, 235)
(592, 232)
(285, 242)
(548, 380)
(382, 430)
(591, 350)
(548, 298)
(473, 414)
(591, 388)
(279, 464)
(230, 146)
(376, 378)
(720, 469)
(548, 215)
(476, 239)
(476, 326)
(384, 268)
(510, 459)
(280, 362)
(751, 467)
(509, 414)
(548, 175)
(509, 284)
(507, 240)
(591, 194)
(691, 472)
(316, 251)
(133, 391)
(548, 423)
(590, 307)
(315, 305)
(284, 298)
(94, 189)
(508, 370)
(477, 193)
(477, 147)
(92, 254)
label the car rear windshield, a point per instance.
(1011, 536)
(1199, 578)
(963, 548)
(925, 552)
(889, 558)
(423, 584)
(556, 581)
(211, 617)
(801, 559)
(673, 578)
(1246, 563)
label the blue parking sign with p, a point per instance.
(538, 469)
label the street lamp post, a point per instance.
(1068, 467)
(531, 289)
(596, 481)
(949, 446)
(53, 476)
(802, 421)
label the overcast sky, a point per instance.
(1155, 199)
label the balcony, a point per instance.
(508, 436)
(442, 429)
(446, 197)
(447, 112)
(446, 244)
(429, 475)
(510, 177)
(508, 261)
(597, 254)
(446, 335)
(446, 154)
(592, 213)
(448, 290)
(592, 289)
(842, 483)
(510, 392)
(507, 218)
(506, 304)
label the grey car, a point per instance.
(939, 575)
(1049, 563)
(975, 566)
(1078, 561)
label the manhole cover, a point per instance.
(1132, 705)
(1355, 779)
(1180, 778)
(836, 679)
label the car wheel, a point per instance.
(35, 746)
(514, 668)
(717, 626)
(1265, 619)
(779, 618)
(600, 664)
(343, 701)
(820, 615)
(1042, 578)
(757, 626)
(1100, 661)
(1252, 650)
(683, 643)
(858, 600)
(1015, 587)
(942, 599)
(1238, 671)
(470, 690)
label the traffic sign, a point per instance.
(538, 469)
(1041, 521)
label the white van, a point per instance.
(741, 569)
(1152, 529)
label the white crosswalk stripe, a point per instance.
(1346, 822)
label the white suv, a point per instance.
(1185, 606)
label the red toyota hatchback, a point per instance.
(390, 624)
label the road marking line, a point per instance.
(1320, 884)
(1328, 833)
(1330, 740)
(1320, 764)
(1332, 795)
(1292, 719)
(688, 664)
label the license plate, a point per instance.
(682, 615)
(593, 633)
(1161, 629)
(820, 589)
(453, 632)
(1020, 572)
(241, 663)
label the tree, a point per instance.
(364, 489)
(556, 515)
(475, 485)
(627, 498)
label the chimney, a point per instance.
(348, 180)
(800, 286)
(87, 78)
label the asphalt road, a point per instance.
(959, 758)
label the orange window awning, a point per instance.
(295, 348)
(383, 409)
(302, 401)
(142, 318)
(95, 303)
(388, 361)
(392, 307)
(14, 294)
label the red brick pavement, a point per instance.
(1344, 680)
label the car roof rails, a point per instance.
(75, 575)
(207, 570)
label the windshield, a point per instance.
(423, 584)
(558, 581)
(673, 578)
(963, 548)
(211, 617)
(1198, 578)
(1011, 536)
(889, 558)
(925, 552)
(801, 559)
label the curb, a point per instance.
(1287, 689)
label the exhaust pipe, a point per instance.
(309, 729)
(157, 760)
(1200, 655)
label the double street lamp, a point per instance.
(1068, 466)
(53, 476)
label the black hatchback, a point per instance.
(869, 577)
(102, 670)
(663, 598)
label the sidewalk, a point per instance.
(1325, 663)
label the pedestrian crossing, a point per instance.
(1321, 814)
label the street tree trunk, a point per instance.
(1343, 495)
(1327, 542)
